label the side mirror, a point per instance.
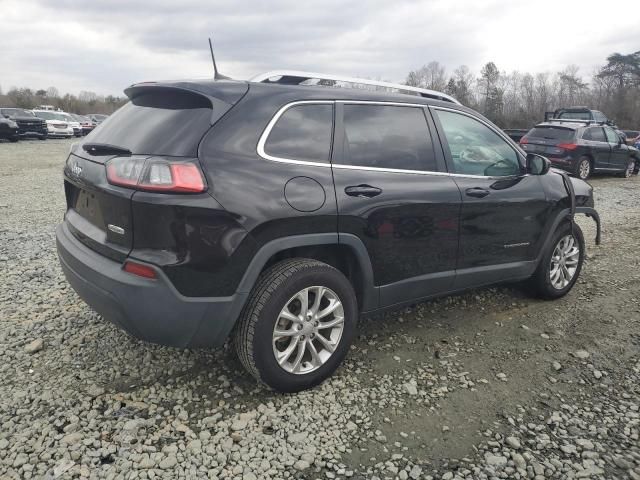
(537, 164)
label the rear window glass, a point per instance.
(163, 122)
(387, 137)
(575, 115)
(551, 133)
(303, 132)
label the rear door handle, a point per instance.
(477, 192)
(362, 191)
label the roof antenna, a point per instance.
(216, 75)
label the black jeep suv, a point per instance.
(582, 147)
(279, 212)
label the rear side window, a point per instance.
(551, 133)
(162, 122)
(387, 137)
(303, 132)
(595, 134)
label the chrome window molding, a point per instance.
(265, 135)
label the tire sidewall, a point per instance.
(269, 370)
(549, 289)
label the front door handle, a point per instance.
(362, 191)
(477, 192)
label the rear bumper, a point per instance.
(151, 310)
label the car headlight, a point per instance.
(13, 124)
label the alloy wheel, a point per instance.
(630, 168)
(564, 262)
(308, 330)
(584, 169)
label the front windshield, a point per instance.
(51, 116)
(16, 112)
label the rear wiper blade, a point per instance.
(105, 149)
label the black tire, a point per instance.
(541, 279)
(584, 165)
(253, 336)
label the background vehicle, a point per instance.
(73, 123)
(581, 147)
(86, 123)
(632, 136)
(279, 211)
(28, 124)
(9, 129)
(57, 123)
(97, 118)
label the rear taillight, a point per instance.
(524, 140)
(155, 175)
(139, 269)
(567, 146)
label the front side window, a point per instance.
(595, 134)
(303, 132)
(475, 148)
(612, 137)
(386, 136)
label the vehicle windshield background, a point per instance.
(163, 122)
(50, 116)
(475, 148)
(18, 112)
(551, 133)
(575, 115)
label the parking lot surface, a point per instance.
(489, 384)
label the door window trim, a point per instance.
(267, 131)
(520, 154)
(435, 139)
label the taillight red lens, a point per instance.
(139, 269)
(155, 175)
(524, 140)
(567, 146)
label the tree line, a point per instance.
(519, 100)
(83, 103)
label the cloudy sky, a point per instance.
(105, 45)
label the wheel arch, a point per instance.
(344, 252)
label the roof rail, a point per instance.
(574, 120)
(294, 77)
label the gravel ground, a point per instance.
(489, 384)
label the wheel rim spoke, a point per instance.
(564, 262)
(308, 330)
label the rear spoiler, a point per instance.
(229, 92)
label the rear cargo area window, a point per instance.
(163, 122)
(551, 133)
(303, 132)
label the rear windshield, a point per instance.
(163, 122)
(575, 115)
(551, 133)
